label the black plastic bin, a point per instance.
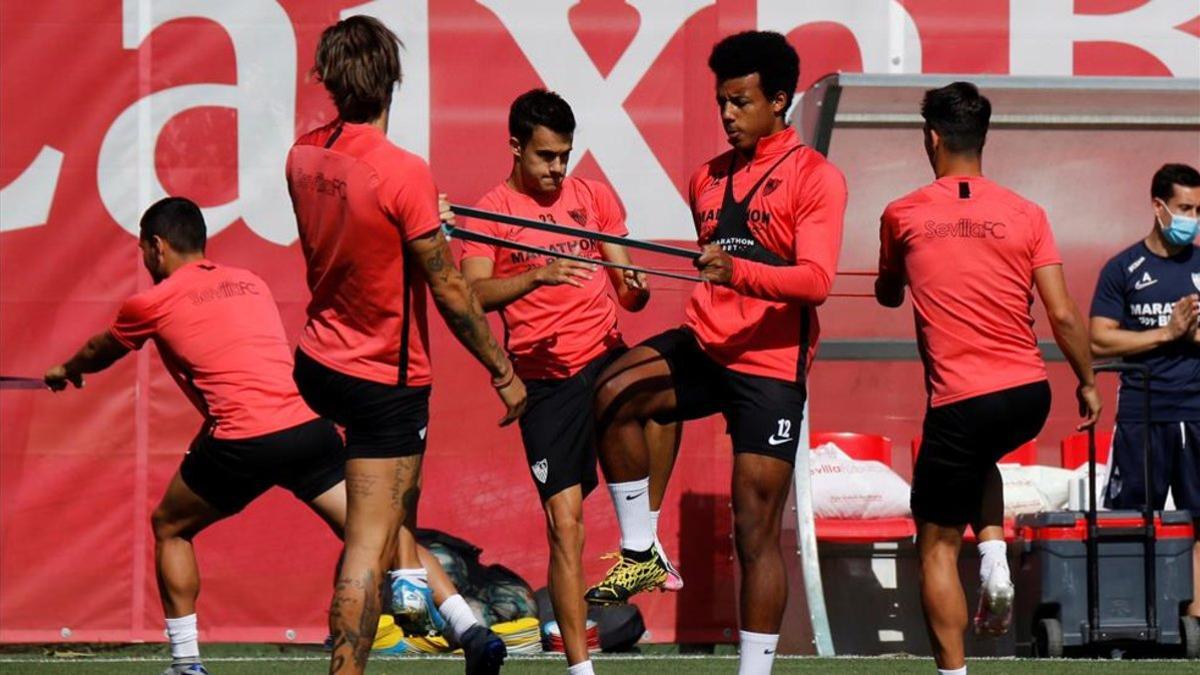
(1051, 612)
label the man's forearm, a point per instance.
(805, 282)
(98, 353)
(496, 293)
(458, 305)
(464, 315)
(1115, 342)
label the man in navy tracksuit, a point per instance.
(1145, 310)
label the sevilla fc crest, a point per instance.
(579, 216)
(770, 185)
(541, 470)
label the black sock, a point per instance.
(638, 556)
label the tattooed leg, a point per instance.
(378, 492)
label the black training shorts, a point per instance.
(762, 414)
(559, 430)
(382, 421)
(307, 459)
(960, 444)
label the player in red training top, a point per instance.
(367, 211)
(219, 334)
(769, 215)
(971, 251)
(561, 328)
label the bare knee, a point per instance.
(165, 525)
(939, 547)
(756, 534)
(564, 521)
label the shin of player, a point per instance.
(769, 215)
(561, 328)
(368, 219)
(971, 253)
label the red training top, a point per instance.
(780, 216)
(968, 248)
(359, 200)
(553, 331)
(220, 336)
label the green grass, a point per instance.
(268, 659)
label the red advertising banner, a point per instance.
(106, 106)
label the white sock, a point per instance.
(956, 671)
(993, 555)
(654, 529)
(582, 668)
(185, 639)
(632, 503)
(756, 653)
(458, 615)
(413, 574)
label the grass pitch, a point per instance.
(257, 659)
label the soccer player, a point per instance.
(369, 227)
(560, 325)
(1145, 310)
(971, 251)
(220, 336)
(769, 216)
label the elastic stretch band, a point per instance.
(9, 382)
(468, 235)
(574, 232)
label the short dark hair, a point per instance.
(538, 107)
(764, 52)
(1165, 179)
(358, 61)
(960, 115)
(178, 221)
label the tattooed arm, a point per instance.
(464, 315)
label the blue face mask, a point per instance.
(1181, 231)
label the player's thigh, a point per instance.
(181, 512)
(558, 434)
(1009, 418)
(667, 378)
(224, 473)
(952, 463)
(763, 415)
(636, 385)
(379, 492)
